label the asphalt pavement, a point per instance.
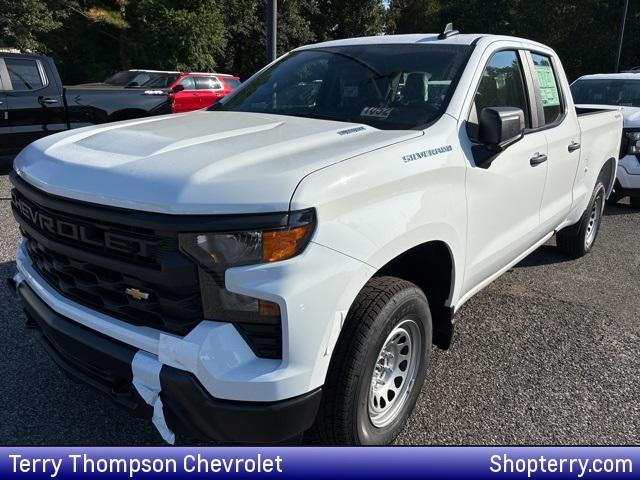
(547, 354)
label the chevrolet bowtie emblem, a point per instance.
(136, 294)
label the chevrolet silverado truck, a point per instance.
(285, 260)
(34, 104)
(621, 90)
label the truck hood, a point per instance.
(195, 163)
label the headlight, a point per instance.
(633, 139)
(216, 251)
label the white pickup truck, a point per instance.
(285, 260)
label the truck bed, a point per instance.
(600, 137)
(583, 110)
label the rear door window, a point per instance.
(207, 83)
(232, 82)
(25, 74)
(548, 87)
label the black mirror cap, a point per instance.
(499, 127)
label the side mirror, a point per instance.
(500, 127)
(178, 88)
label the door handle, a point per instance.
(537, 159)
(573, 146)
(48, 101)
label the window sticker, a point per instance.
(548, 88)
(376, 112)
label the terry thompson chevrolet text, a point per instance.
(286, 259)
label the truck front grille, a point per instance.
(104, 290)
(123, 263)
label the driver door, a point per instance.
(504, 197)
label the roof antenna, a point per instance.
(448, 32)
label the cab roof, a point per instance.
(420, 38)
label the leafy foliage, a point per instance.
(22, 21)
(90, 39)
(349, 18)
(583, 32)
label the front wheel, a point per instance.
(577, 240)
(378, 366)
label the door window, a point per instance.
(549, 91)
(188, 83)
(231, 82)
(24, 74)
(207, 83)
(501, 85)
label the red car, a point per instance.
(193, 91)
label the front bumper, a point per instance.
(106, 364)
(628, 174)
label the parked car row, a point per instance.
(34, 103)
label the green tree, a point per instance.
(246, 31)
(413, 16)
(583, 32)
(173, 34)
(348, 18)
(22, 21)
(101, 37)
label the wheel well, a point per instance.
(429, 266)
(608, 174)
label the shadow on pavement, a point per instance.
(545, 255)
(6, 164)
(620, 209)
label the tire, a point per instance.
(388, 313)
(634, 202)
(578, 240)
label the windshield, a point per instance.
(161, 80)
(386, 86)
(623, 93)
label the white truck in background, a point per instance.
(619, 90)
(286, 259)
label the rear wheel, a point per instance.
(378, 366)
(577, 240)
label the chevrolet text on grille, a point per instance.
(81, 233)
